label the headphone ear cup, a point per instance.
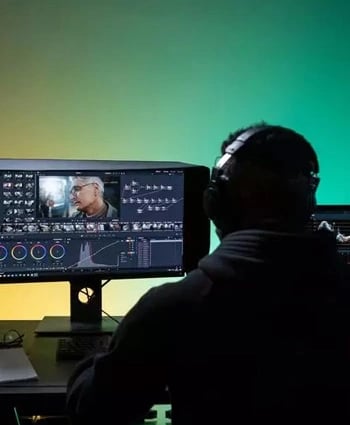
(212, 202)
(216, 207)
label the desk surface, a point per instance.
(47, 394)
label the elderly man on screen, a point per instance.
(87, 196)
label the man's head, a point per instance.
(87, 193)
(266, 178)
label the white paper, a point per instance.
(15, 365)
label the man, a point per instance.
(87, 196)
(257, 334)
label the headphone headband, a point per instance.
(233, 147)
(239, 142)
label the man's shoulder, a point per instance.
(111, 210)
(78, 214)
(186, 290)
(162, 303)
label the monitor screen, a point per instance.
(88, 221)
(335, 218)
(60, 224)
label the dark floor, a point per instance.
(158, 416)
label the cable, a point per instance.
(105, 283)
(104, 312)
(18, 422)
(111, 317)
(12, 338)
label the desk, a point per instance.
(47, 395)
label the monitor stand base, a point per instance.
(62, 325)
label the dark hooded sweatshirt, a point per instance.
(257, 334)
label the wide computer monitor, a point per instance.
(336, 219)
(86, 222)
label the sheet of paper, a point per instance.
(15, 365)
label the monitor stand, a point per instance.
(85, 313)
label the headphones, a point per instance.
(215, 198)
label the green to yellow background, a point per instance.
(167, 80)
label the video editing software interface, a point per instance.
(335, 218)
(47, 229)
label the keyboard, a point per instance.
(78, 347)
